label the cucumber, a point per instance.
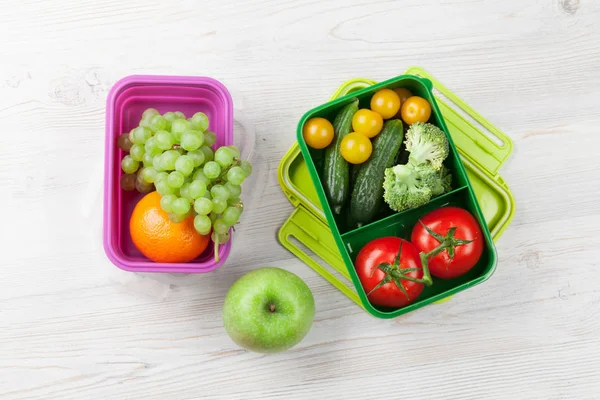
(353, 174)
(336, 171)
(367, 195)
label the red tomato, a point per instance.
(461, 234)
(376, 264)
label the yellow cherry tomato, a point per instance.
(385, 102)
(415, 109)
(356, 148)
(317, 133)
(367, 122)
(404, 94)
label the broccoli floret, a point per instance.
(408, 186)
(426, 143)
(441, 182)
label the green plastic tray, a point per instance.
(307, 230)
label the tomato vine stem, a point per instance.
(393, 273)
(448, 243)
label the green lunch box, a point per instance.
(475, 158)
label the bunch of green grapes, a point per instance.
(174, 156)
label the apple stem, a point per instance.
(272, 307)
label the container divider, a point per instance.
(436, 202)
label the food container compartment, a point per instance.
(350, 240)
(126, 102)
(401, 224)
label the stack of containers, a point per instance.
(475, 158)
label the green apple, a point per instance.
(268, 310)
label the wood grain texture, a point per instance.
(73, 326)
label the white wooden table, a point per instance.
(73, 326)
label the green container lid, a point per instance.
(307, 230)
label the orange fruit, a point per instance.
(160, 239)
(415, 109)
(404, 94)
(386, 102)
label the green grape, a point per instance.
(143, 187)
(180, 115)
(224, 156)
(169, 116)
(246, 167)
(151, 148)
(234, 190)
(197, 157)
(141, 134)
(175, 179)
(210, 138)
(236, 202)
(169, 159)
(147, 159)
(220, 191)
(129, 165)
(220, 238)
(158, 123)
(236, 175)
(178, 127)
(177, 218)
(163, 188)
(166, 202)
(164, 140)
(127, 182)
(184, 190)
(202, 224)
(212, 170)
(137, 152)
(145, 122)
(199, 176)
(214, 216)
(191, 140)
(185, 165)
(224, 238)
(236, 151)
(181, 206)
(150, 112)
(200, 121)
(197, 189)
(219, 205)
(220, 226)
(150, 144)
(157, 162)
(123, 142)
(149, 174)
(161, 176)
(138, 174)
(231, 215)
(203, 206)
(207, 195)
(209, 154)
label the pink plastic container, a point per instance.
(126, 102)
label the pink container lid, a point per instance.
(125, 104)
